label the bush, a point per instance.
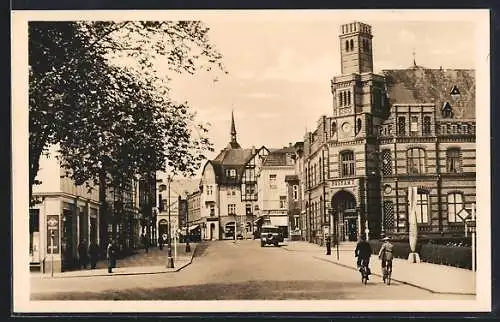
(457, 256)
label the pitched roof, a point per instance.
(277, 157)
(423, 85)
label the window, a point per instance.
(249, 189)
(296, 222)
(455, 205)
(295, 190)
(427, 125)
(414, 125)
(272, 181)
(401, 125)
(248, 209)
(422, 206)
(334, 129)
(447, 111)
(351, 44)
(282, 202)
(347, 163)
(233, 192)
(386, 162)
(212, 210)
(416, 160)
(231, 209)
(388, 215)
(453, 160)
(347, 45)
(358, 125)
(209, 190)
(348, 97)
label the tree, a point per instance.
(109, 118)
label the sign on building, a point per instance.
(52, 234)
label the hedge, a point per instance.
(457, 256)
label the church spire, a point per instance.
(234, 143)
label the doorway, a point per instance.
(212, 231)
(345, 216)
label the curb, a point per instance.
(397, 280)
(47, 276)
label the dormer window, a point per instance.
(231, 173)
(455, 93)
(447, 111)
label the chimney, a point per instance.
(253, 149)
(289, 144)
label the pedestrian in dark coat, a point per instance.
(160, 242)
(93, 254)
(328, 245)
(111, 256)
(83, 254)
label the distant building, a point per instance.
(228, 191)
(273, 196)
(402, 128)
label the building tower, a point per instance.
(356, 48)
(234, 143)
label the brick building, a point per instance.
(387, 132)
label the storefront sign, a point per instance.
(52, 234)
(342, 183)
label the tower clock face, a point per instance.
(346, 127)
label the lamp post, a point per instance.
(170, 260)
(188, 247)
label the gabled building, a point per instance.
(228, 191)
(387, 132)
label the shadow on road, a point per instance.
(200, 250)
(249, 290)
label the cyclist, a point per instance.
(363, 252)
(385, 254)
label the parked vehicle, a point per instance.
(270, 235)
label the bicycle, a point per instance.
(364, 270)
(387, 272)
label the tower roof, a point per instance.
(233, 144)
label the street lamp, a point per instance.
(170, 260)
(188, 247)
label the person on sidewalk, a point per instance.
(328, 245)
(93, 254)
(385, 254)
(83, 254)
(111, 255)
(145, 242)
(160, 242)
(363, 252)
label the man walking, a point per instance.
(83, 254)
(94, 255)
(111, 255)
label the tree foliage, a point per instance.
(96, 89)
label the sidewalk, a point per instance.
(153, 262)
(431, 277)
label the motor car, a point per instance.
(270, 235)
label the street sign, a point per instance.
(463, 214)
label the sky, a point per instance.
(280, 68)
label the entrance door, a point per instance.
(352, 225)
(344, 212)
(68, 260)
(212, 231)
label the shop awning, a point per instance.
(279, 221)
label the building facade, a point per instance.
(228, 191)
(273, 198)
(63, 216)
(402, 128)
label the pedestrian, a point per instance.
(160, 241)
(93, 254)
(145, 242)
(83, 254)
(328, 245)
(111, 255)
(363, 252)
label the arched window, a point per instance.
(358, 125)
(346, 163)
(416, 160)
(453, 164)
(455, 205)
(351, 44)
(333, 129)
(347, 45)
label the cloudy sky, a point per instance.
(280, 67)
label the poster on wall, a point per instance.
(52, 234)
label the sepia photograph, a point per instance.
(251, 161)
